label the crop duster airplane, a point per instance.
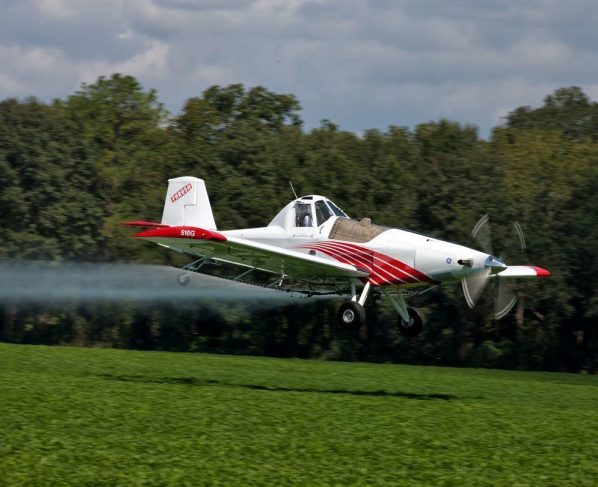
(312, 247)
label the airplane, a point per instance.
(312, 247)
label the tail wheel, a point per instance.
(351, 315)
(414, 326)
(183, 279)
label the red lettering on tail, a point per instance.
(181, 192)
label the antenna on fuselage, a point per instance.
(296, 197)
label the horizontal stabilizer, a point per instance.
(144, 224)
(192, 233)
(524, 271)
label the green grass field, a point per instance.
(72, 416)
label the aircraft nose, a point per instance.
(494, 264)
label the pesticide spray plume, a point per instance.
(49, 283)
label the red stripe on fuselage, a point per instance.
(379, 274)
(349, 258)
(392, 266)
(383, 268)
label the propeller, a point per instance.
(505, 288)
(473, 286)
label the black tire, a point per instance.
(351, 315)
(183, 279)
(415, 325)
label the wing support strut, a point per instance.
(278, 281)
(196, 264)
(243, 274)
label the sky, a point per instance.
(361, 64)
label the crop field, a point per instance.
(71, 416)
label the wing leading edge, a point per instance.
(524, 271)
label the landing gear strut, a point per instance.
(410, 320)
(414, 326)
(351, 314)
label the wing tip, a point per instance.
(540, 272)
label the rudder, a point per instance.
(187, 203)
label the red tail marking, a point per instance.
(182, 232)
(181, 192)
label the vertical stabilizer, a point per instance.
(187, 203)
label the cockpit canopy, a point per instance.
(313, 211)
(307, 211)
(303, 215)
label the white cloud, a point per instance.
(59, 9)
(361, 64)
(40, 71)
(150, 65)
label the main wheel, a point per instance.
(351, 315)
(183, 279)
(414, 326)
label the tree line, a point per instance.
(73, 169)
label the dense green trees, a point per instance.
(70, 171)
(49, 204)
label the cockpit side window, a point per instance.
(336, 210)
(322, 212)
(303, 216)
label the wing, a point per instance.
(523, 271)
(241, 251)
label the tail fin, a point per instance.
(187, 203)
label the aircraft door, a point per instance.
(305, 223)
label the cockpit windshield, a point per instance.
(322, 212)
(336, 210)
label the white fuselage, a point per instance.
(389, 256)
